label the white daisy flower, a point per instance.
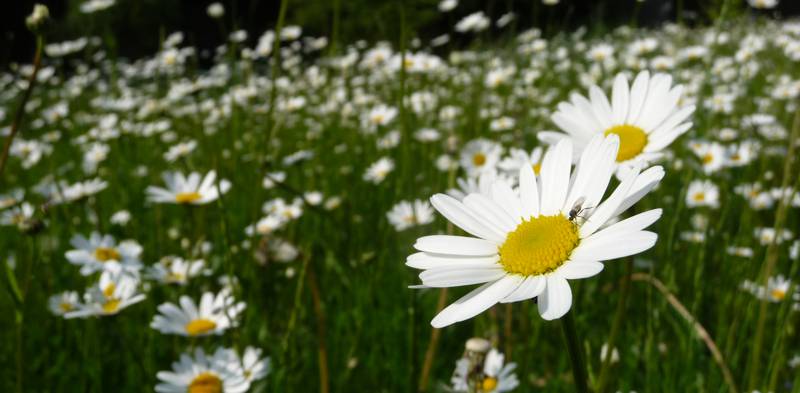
(528, 244)
(220, 372)
(64, 302)
(379, 170)
(113, 293)
(188, 190)
(763, 4)
(102, 253)
(495, 376)
(175, 270)
(215, 314)
(20, 216)
(517, 158)
(702, 193)
(407, 214)
(479, 156)
(647, 117)
(255, 367)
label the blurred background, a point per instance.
(134, 28)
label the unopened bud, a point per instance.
(478, 345)
(37, 18)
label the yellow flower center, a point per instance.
(539, 245)
(489, 384)
(65, 307)
(699, 197)
(200, 326)
(479, 159)
(206, 383)
(778, 294)
(104, 254)
(187, 197)
(537, 168)
(111, 305)
(708, 158)
(632, 141)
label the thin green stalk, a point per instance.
(20, 113)
(575, 353)
(772, 256)
(276, 66)
(619, 317)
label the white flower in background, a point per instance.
(479, 156)
(767, 236)
(380, 115)
(96, 154)
(11, 198)
(763, 4)
(102, 253)
(215, 10)
(254, 367)
(712, 155)
(92, 6)
(447, 5)
(291, 33)
(702, 193)
(494, 377)
(220, 372)
(744, 252)
(504, 123)
(379, 170)
(480, 185)
(121, 218)
(188, 190)
(175, 270)
(646, 117)
(112, 294)
(407, 214)
(517, 158)
(475, 22)
(528, 244)
(214, 315)
(180, 150)
(64, 302)
(20, 216)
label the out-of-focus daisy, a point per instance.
(64, 302)
(180, 150)
(712, 155)
(744, 252)
(121, 218)
(215, 314)
(480, 185)
(254, 367)
(175, 270)
(479, 156)
(517, 158)
(529, 244)
(20, 216)
(188, 190)
(200, 373)
(11, 198)
(504, 123)
(702, 193)
(474, 22)
(407, 214)
(101, 253)
(447, 5)
(113, 293)
(493, 376)
(767, 236)
(763, 4)
(647, 117)
(379, 170)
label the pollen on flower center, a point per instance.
(539, 245)
(489, 384)
(200, 326)
(778, 294)
(187, 197)
(479, 159)
(206, 383)
(104, 254)
(111, 305)
(537, 168)
(632, 141)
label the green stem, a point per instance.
(575, 354)
(619, 317)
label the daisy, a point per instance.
(379, 170)
(406, 214)
(188, 190)
(113, 293)
(11, 198)
(763, 4)
(255, 367)
(702, 193)
(713, 156)
(175, 270)
(518, 158)
(493, 377)
(646, 117)
(479, 156)
(20, 216)
(102, 253)
(215, 314)
(528, 244)
(64, 302)
(200, 373)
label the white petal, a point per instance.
(606, 209)
(644, 183)
(490, 212)
(638, 95)
(424, 260)
(620, 99)
(528, 192)
(458, 276)
(573, 270)
(477, 301)
(456, 245)
(459, 215)
(555, 175)
(504, 196)
(633, 224)
(529, 289)
(556, 300)
(613, 245)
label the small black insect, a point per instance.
(577, 208)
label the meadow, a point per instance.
(250, 226)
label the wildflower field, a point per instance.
(531, 211)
